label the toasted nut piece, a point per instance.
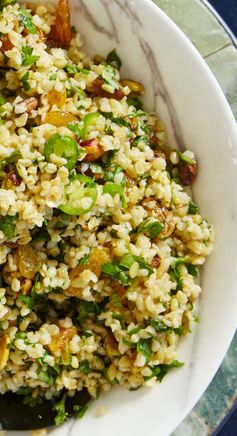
(59, 118)
(156, 261)
(59, 346)
(56, 97)
(168, 230)
(6, 44)
(31, 104)
(93, 149)
(97, 89)
(136, 88)
(4, 351)
(187, 173)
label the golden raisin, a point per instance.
(27, 261)
(57, 97)
(4, 351)
(59, 118)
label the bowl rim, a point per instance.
(215, 88)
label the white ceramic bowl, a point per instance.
(182, 90)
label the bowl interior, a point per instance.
(181, 89)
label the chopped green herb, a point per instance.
(45, 375)
(24, 81)
(176, 274)
(40, 234)
(73, 69)
(26, 299)
(27, 57)
(135, 102)
(87, 308)
(134, 331)
(61, 413)
(84, 367)
(144, 347)
(143, 264)
(151, 229)
(127, 261)
(27, 21)
(81, 410)
(115, 271)
(113, 189)
(192, 208)
(160, 326)
(114, 59)
(165, 368)
(4, 3)
(109, 76)
(120, 317)
(2, 99)
(53, 77)
(119, 121)
(84, 260)
(115, 299)
(7, 226)
(159, 371)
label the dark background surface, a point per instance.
(227, 9)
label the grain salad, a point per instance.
(100, 241)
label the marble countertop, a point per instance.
(218, 47)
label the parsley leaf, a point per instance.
(151, 229)
(73, 69)
(26, 19)
(27, 57)
(87, 308)
(119, 121)
(114, 59)
(115, 299)
(84, 367)
(159, 371)
(176, 274)
(81, 410)
(61, 413)
(47, 375)
(144, 347)
(160, 326)
(192, 208)
(7, 226)
(4, 3)
(84, 260)
(24, 81)
(113, 270)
